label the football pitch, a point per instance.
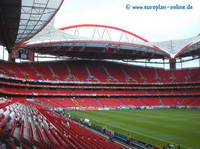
(158, 127)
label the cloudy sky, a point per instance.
(153, 25)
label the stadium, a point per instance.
(93, 86)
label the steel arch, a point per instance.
(103, 26)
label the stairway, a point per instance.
(76, 103)
(53, 73)
(39, 75)
(161, 102)
(109, 76)
(157, 77)
(70, 76)
(90, 76)
(142, 78)
(127, 77)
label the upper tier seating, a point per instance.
(90, 71)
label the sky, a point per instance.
(160, 25)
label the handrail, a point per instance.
(92, 87)
(22, 94)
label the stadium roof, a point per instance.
(191, 49)
(181, 48)
(58, 42)
(20, 20)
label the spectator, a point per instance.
(18, 123)
(8, 126)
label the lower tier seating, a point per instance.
(26, 126)
(97, 103)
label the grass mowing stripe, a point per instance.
(107, 122)
(180, 126)
(138, 120)
(112, 127)
(100, 120)
(152, 137)
(166, 141)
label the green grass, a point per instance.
(158, 127)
